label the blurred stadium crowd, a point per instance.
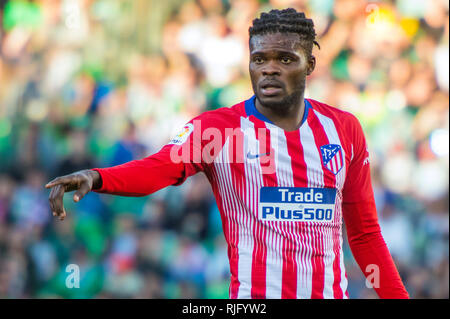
(89, 83)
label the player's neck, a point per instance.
(289, 118)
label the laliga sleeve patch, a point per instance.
(183, 135)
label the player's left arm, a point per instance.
(361, 221)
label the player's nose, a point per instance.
(270, 68)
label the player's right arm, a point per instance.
(186, 154)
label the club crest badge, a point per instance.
(332, 157)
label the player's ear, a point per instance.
(311, 65)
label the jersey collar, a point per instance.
(250, 109)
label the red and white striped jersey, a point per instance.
(280, 193)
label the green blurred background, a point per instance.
(96, 83)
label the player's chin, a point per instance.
(272, 101)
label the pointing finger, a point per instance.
(54, 182)
(66, 179)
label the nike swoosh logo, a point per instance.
(253, 156)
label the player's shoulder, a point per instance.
(222, 115)
(331, 111)
(339, 116)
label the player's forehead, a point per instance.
(275, 41)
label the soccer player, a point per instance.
(285, 172)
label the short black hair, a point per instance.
(286, 21)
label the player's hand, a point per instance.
(81, 182)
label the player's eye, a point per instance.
(286, 60)
(258, 60)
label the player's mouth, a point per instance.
(271, 88)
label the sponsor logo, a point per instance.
(297, 204)
(332, 157)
